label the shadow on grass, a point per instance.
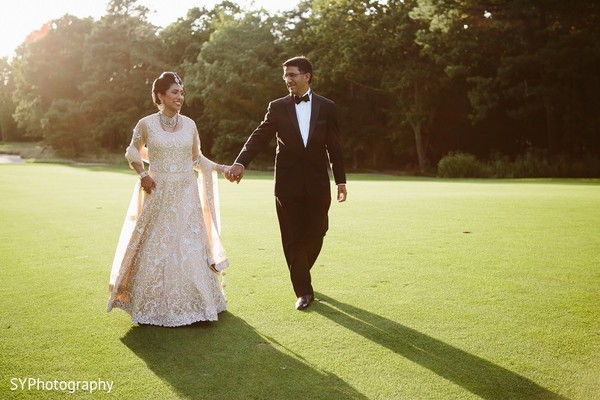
(229, 359)
(480, 377)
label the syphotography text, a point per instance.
(42, 385)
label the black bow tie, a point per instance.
(299, 100)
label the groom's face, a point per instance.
(295, 81)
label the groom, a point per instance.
(306, 129)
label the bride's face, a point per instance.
(172, 100)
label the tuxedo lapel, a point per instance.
(291, 108)
(314, 115)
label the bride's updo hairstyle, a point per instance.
(163, 83)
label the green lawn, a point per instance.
(427, 289)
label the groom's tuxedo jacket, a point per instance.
(298, 169)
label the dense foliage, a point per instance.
(414, 80)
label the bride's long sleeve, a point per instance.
(137, 152)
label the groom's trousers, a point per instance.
(303, 222)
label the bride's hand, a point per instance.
(148, 184)
(225, 171)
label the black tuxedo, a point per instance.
(302, 186)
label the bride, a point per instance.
(169, 258)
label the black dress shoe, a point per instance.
(304, 301)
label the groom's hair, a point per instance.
(303, 65)
(163, 83)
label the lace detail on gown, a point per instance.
(164, 267)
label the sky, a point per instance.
(21, 17)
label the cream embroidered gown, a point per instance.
(165, 270)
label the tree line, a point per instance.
(413, 79)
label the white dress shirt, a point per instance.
(303, 114)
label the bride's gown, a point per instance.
(165, 267)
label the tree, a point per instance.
(413, 79)
(8, 126)
(237, 71)
(123, 55)
(370, 49)
(62, 124)
(549, 74)
(183, 39)
(47, 68)
(530, 61)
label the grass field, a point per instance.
(426, 288)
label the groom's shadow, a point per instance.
(477, 375)
(229, 359)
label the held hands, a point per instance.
(234, 173)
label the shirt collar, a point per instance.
(308, 92)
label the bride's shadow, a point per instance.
(477, 375)
(229, 359)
